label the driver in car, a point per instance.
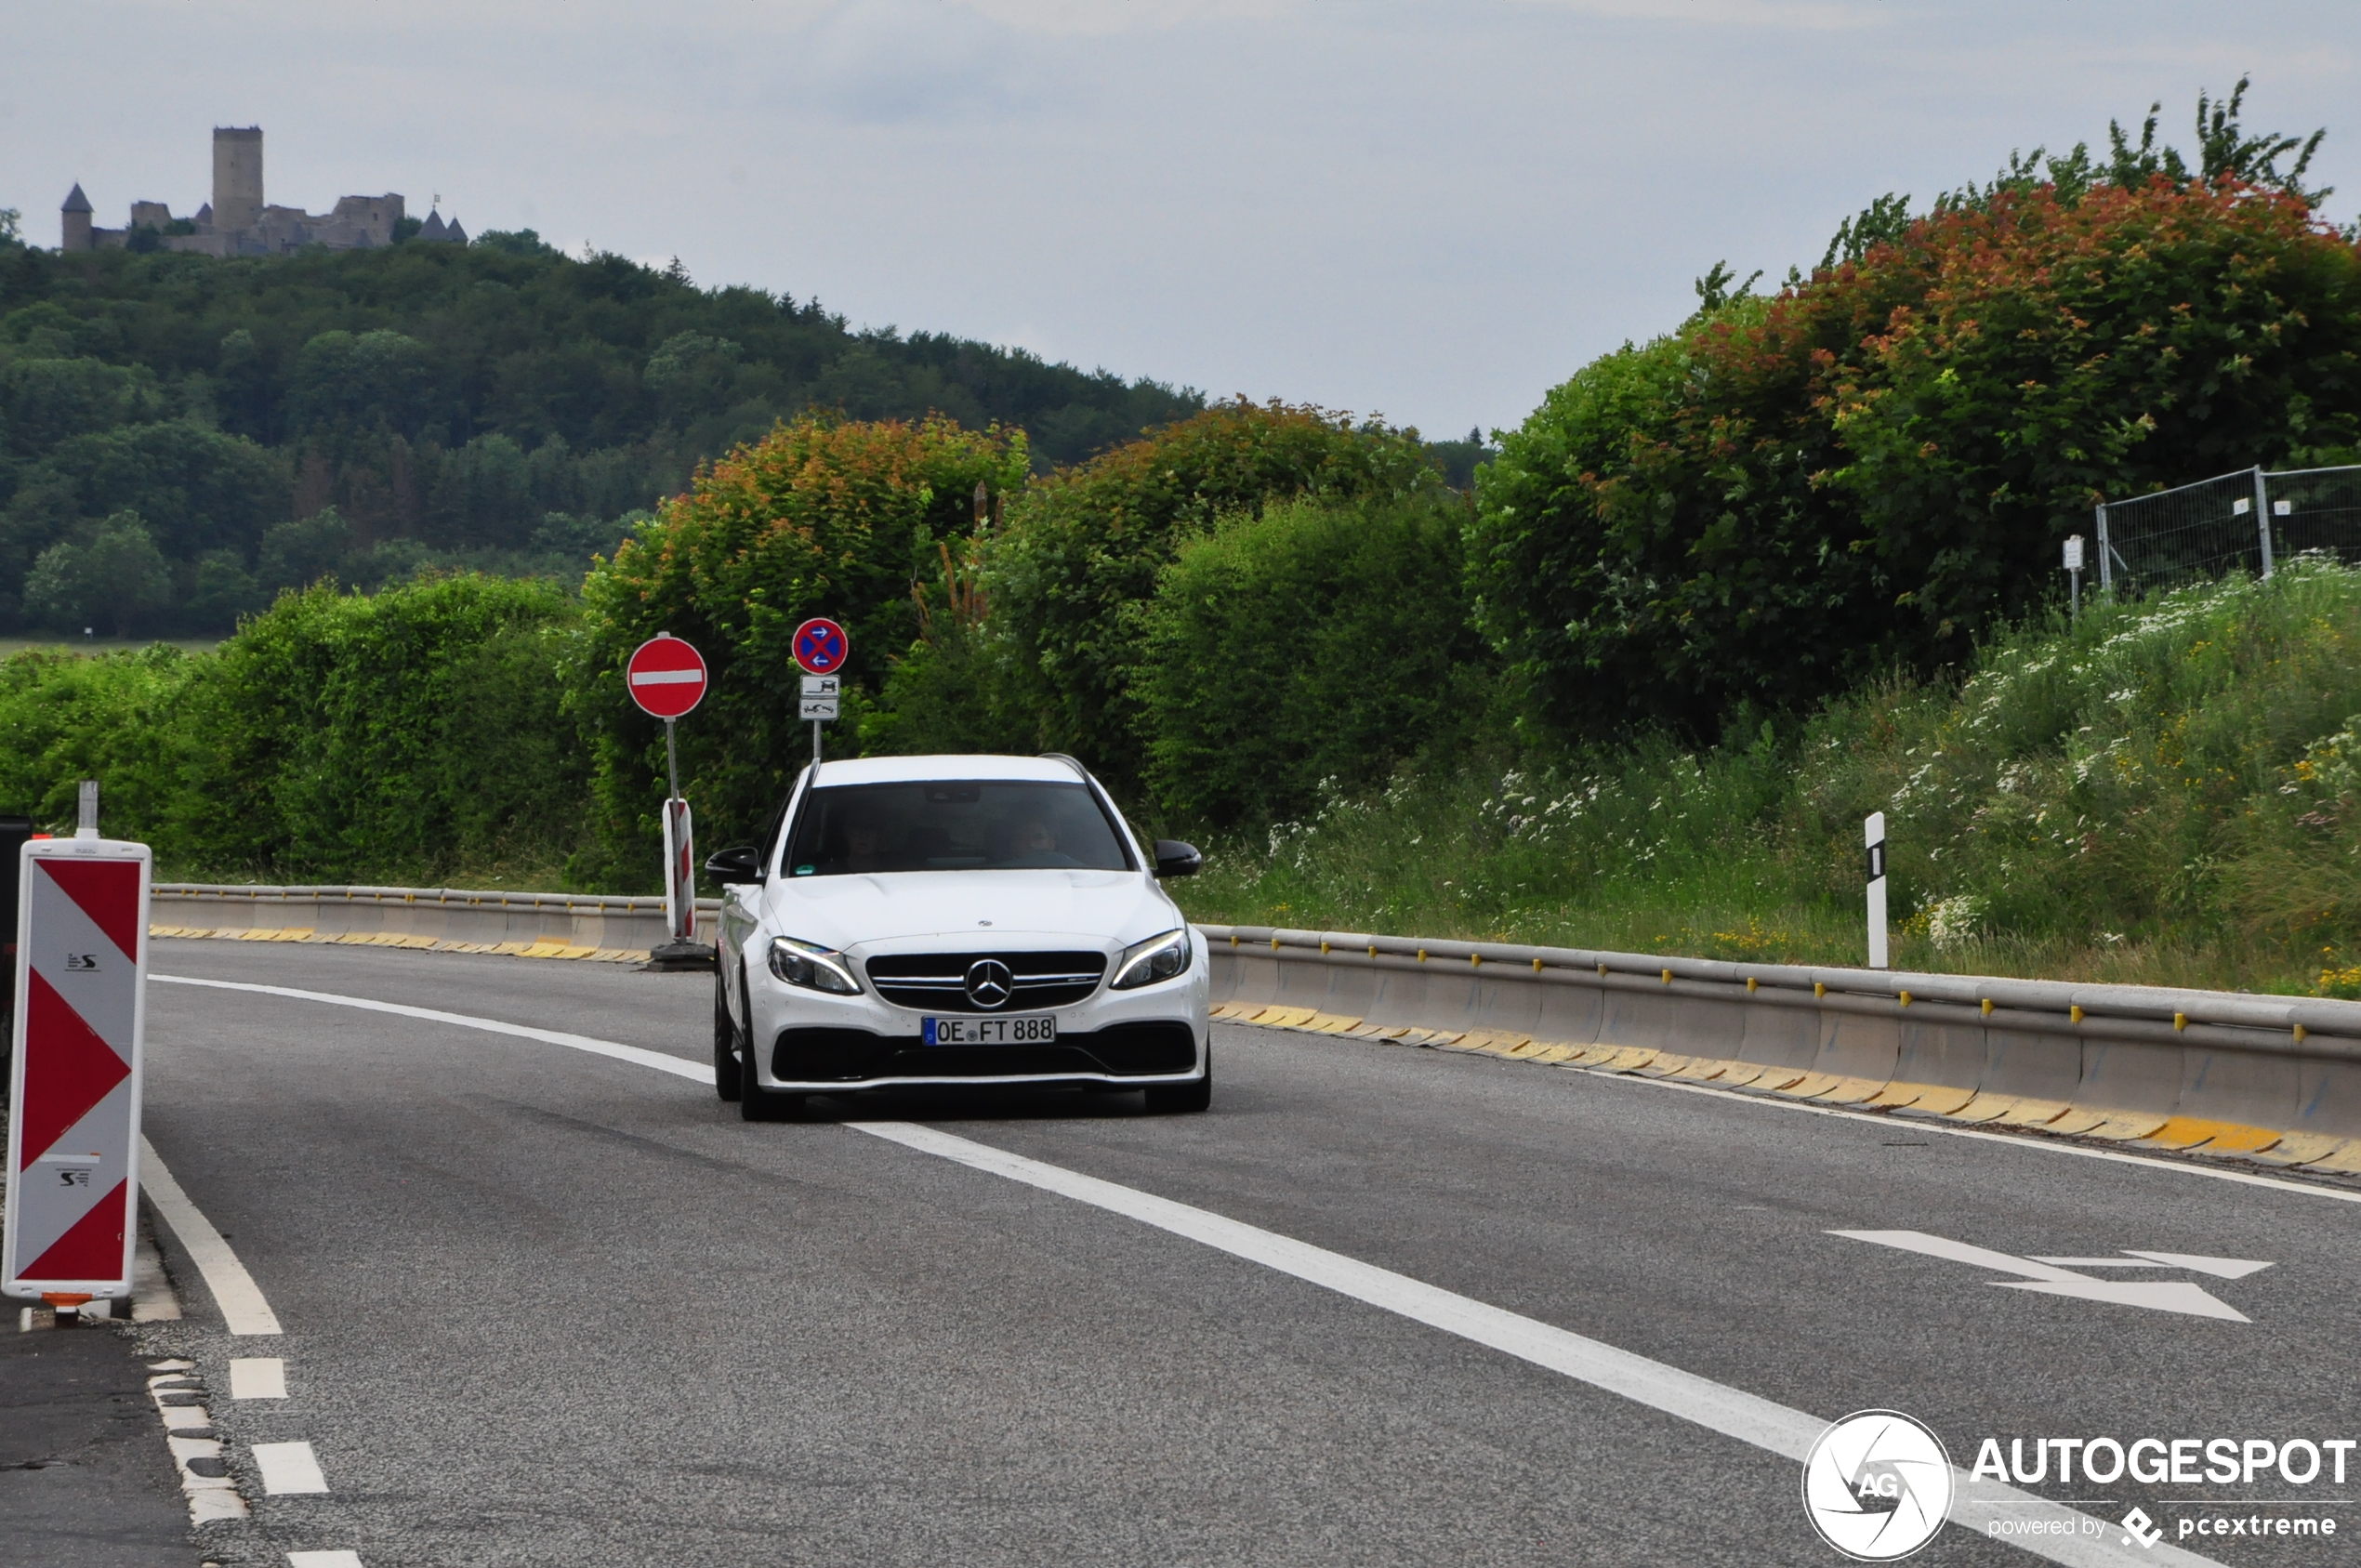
(864, 846)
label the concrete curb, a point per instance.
(2271, 1079)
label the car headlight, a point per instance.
(813, 967)
(1159, 957)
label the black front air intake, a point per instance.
(855, 1055)
(937, 982)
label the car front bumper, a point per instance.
(811, 1042)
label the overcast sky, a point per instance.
(1429, 211)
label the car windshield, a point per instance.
(983, 824)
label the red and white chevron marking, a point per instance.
(73, 1122)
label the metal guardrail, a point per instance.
(465, 920)
(570, 904)
(2275, 1079)
(2324, 1028)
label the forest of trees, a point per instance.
(182, 437)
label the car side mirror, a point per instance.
(731, 867)
(1176, 859)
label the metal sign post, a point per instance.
(667, 677)
(75, 1073)
(821, 648)
(1873, 833)
(2074, 579)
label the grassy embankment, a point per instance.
(2168, 794)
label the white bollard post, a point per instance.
(1873, 833)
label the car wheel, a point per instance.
(725, 1042)
(1167, 1099)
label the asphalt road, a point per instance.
(545, 1306)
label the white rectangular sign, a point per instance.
(819, 685)
(819, 708)
(74, 1077)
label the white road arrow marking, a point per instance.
(2045, 1274)
(2195, 1262)
(2220, 1268)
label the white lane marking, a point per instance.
(258, 1378)
(234, 1289)
(2220, 1268)
(1732, 1412)
(210, 1496)
(288, 1468)
(700, 1071)
(2157, 1295)
(323, 1560)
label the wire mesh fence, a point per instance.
(2251, 521)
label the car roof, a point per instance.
(919, 769)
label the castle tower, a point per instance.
(74, 221)
(237, 178)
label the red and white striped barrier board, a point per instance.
(73, 1089)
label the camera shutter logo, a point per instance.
(1877, 1485)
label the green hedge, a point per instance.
(337, 737)
(1316, 646)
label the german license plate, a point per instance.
(1029, 1029)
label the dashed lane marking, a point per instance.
(288, 1469)
(1731, 1412)
(258, 1378)
(323, 1560)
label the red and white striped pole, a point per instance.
(74, 1076)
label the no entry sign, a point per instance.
(667, 676)
(73, 1123)
(821, 646)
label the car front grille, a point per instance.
(937, 982)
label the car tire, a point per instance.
(1165, 1100)
(726, 1061)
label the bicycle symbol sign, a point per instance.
(821, 646)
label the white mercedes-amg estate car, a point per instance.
(955, 920)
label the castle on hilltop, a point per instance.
(238, 222)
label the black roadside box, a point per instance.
(14, 831)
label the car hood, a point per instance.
(920, 909)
